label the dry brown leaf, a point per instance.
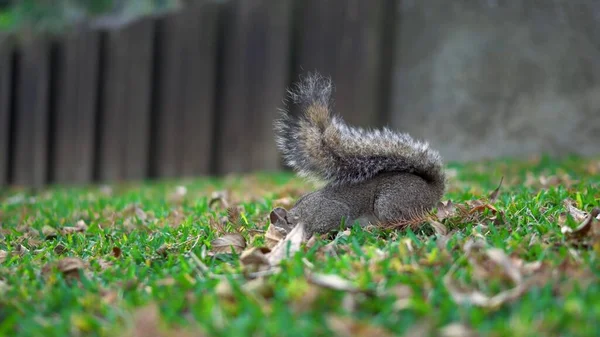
(294, 240)
(403, 293)
(259, 286)
(178, 195)
(49, 232)
(104, 264)
(255, 258)
(344, 326)
(116, 251)
(69, 266)
(439, 228)
(494, 195)
(457, 330)
(21, 250)
(497, 261)
(577, 214)
(332, 281)
(3, 256)
(584, 228)
(146, 322)
(273, 236)
(225, 243)
(446, 210)
(60, 249)
(79, 227)
(220, 197)
(279, 227)
(167, 282)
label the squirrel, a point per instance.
(373, 176)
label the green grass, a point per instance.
(145, 259)
(56, 16)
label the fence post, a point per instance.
(125, 105)
(32, 113)
(185, 97)
(342, 39)
(75, 112)
(255, 73)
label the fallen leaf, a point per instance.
(457, 330)
(584, 228)
(49, 232)
(221, 197)
(577, 214)
(225, 243)
(255, 258)
(146, 322)
(439, 228)
(178, 195)
(294, 239)
(402, 293)
(3, 256)
(446, 210)
(68, 266)
(116, 252)
(79, 227)
(345, 326)
(279, 227)
(60, 249)
(497, 261)
(494, 195)
(332, 281)
(259, 286)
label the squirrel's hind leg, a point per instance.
(404, 197)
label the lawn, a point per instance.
(198, 258)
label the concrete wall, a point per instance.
(483, 79)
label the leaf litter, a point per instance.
(486, 264)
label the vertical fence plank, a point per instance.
(75, 110)
(198, 102)
(140, 40)
(341, 39)
(168, 115)
(31, 141)
(186, 72)
(127, 85)
(255, 74)
(5, 105)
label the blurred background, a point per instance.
(115, 90)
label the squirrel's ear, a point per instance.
(278, 213)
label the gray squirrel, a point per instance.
(373, 176)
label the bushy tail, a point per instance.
(317, 143)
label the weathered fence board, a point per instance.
(32, 114)
(185, 99)
(5, 106)
(342, 39)
(75, 113)
(127, 86)
(255, 75)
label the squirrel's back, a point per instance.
(318, 143)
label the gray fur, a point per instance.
(360, 155)
(373, 175)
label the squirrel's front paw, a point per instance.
(280, 222)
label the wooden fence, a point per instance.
(186, 93)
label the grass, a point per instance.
(144, 258)
(56, 16)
